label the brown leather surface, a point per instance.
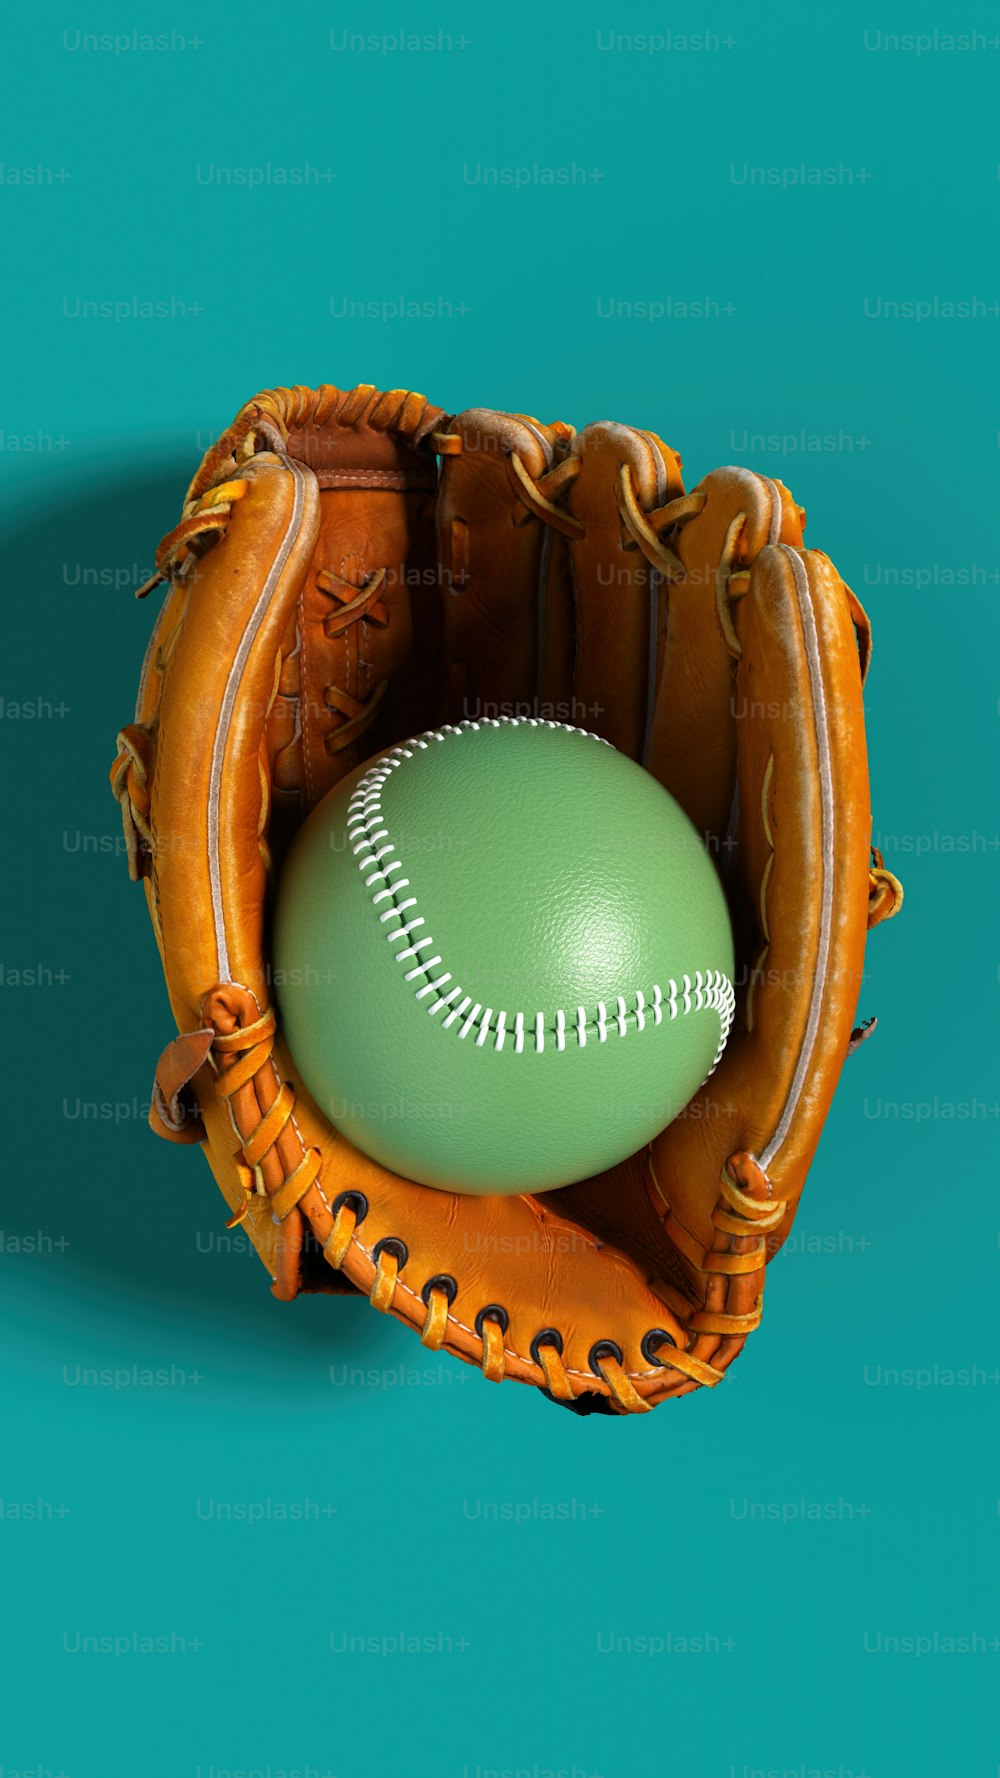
(493, 559)
(619, 598)
(352, 567)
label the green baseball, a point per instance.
(503, 958)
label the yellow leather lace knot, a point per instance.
(384, 1282)
(436, 1322)
(538, 496)
(556, 1381)
(623, 1391)
(339, 1239)
(493, 1352)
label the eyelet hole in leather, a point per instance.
(549, 1336)
(652, 1341)
(441, 1281)
(492, 1312)
(396, 1249)
(603, 1349)
(352, 1200)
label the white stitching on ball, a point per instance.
(712, 989)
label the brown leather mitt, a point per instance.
(352, 568)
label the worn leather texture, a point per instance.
(352, 568)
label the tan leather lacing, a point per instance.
(131, 776)
(354, 604)
(384, 1283)
(202, 524)
(556, 1381)
(357, 714)
(245, 1055)
(743, 1216)
(655, 532)
(493, 1359)
(624, 1392)
(436, 1326)
(885, 892)
(649, 531)
(538, 495)
(241, 1056)
(730, 585)
(339, 1239)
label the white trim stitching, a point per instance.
(369, 836)
(223, 725)
(826, 860)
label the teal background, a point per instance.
(871, 1393)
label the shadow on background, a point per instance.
(102, 1202)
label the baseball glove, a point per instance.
(352, 568)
